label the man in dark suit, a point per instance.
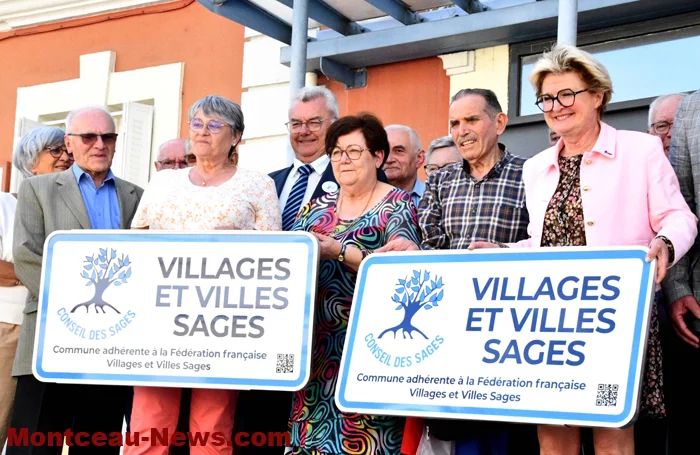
(311, 112)
(86, 196)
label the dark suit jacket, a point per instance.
(280, 177)
(48, 203)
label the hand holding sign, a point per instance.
(504, 335)
(210, 309)
(659, 251)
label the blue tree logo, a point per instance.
(413, 293)
(101, 272)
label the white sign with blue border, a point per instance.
(552, 336)
(221, 309)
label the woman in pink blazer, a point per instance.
(600, 187)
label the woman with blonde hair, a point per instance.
(598, 186)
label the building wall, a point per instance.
(483, 68)
(210, 46)
(415, 93)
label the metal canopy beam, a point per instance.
(321, 12)
(351, 79)
(470, 6)
(530, 21)
(397, 10)
(252, 16)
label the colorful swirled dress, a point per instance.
(316, 424)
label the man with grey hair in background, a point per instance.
(441, 152)
(406, 156)
(172, 154)
(86, 196)
(661, 112)
(681, 288)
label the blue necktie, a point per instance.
(291, 209)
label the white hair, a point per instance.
(75, 112)
(183, 142)
(415, 139)
(26, 154)
(659, 100)
(307, 94)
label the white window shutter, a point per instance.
(132, 161)
(25, 126)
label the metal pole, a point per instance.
(568, 22)
(300, 33)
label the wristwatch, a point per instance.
(343, 249)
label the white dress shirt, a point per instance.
(319, 167)
(12, 298)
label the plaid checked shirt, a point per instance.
(456, 209)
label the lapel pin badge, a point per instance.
(329, 187)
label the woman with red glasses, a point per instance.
(41, 151)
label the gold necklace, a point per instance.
(340, 200)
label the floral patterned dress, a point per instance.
(563, 226)
(316, 425)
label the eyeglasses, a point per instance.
(173, 164)
(566, 98)
(353, 152)
(214, 126)
(661, 128)
(109, 139)
(294, 126)
(191, 159)
(433, 168)
(57, 151)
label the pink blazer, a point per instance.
(629, 193)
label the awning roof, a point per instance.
(362, 33)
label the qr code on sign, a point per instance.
(607, 395)
(285, 363)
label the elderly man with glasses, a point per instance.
(173, 154)
(87, 196)
(311, 112)
(441, 152)
(661, 112)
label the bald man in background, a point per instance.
(171, 155)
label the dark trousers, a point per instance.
(266, 411)
(681, 373)
(49, 407)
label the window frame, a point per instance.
(675, 27)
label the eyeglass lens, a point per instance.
(109, 139)
(661, 127)
(214, 126)
(58, 151)
(170, 164)
(295, 126)
(565, 97)
(353, 152)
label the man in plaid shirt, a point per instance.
(481, 198)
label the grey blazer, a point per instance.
(685, 159)
(45, 204)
